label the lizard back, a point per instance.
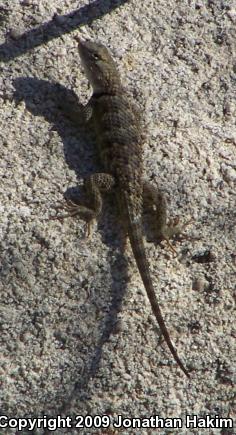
(119, 137)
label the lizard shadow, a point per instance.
(56, 27)
(42, 98)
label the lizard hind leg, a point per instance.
(164, 229)
(95, 185)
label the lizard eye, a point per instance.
(95, 56)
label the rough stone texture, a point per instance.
(62, 295)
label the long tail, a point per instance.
(136, 240)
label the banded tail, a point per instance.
(136, 240)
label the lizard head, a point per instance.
(99, 66)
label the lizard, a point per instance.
(116, 120)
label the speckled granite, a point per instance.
(77, 333)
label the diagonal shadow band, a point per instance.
(58, 26)
(42, 98)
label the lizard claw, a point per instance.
(71, 207)
(172, 229)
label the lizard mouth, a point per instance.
(82, 45)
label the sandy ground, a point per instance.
(77, 333)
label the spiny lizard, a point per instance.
(117, 124)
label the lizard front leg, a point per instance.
(95, 185)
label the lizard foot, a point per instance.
(74, 209)
(69, 206)
(172, 229)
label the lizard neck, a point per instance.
(103, 93)
(110, 88)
